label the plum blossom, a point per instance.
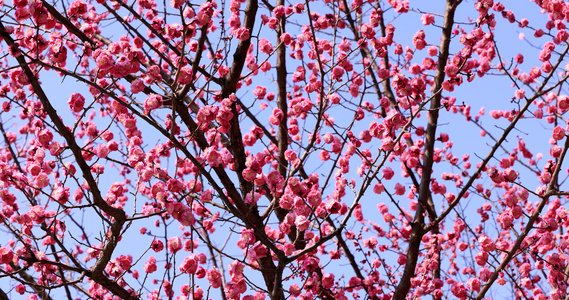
(189, 265)
(185, 75)
(214, 278)
(76, 102)
(6, 255)
(265, 46)
(150, 265)
(153, 101)
(174, 244)
(558, 133)
(241, 34)
(427, 19)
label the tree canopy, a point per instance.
(271, 149)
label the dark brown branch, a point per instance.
(417, 226)
(282, 145)
(229, 86)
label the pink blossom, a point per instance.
(153, 101)
(427, 19)
(204, 14)
(547, 67)
(234, 22)
(378, 188)
(399, 189)
(257, 251)
(286, 202)
(213, 157)
(328, 280)
(367, 31)
(214, 278)
(555, 151)
(247, 238)
(77, 8)
(415, 69)
(174, 244)
(290, 155)
(286, 38)
(496, 114)
(301, 223)
(324, 155)
(473, 284)
(402, 259)
(236, 269)
(451, 70)
(41, 181)
(150, 265)
(260, 92)
(76, 102)
(176, 3)
(102, 151)
(458, 290)
(558, 133)
(20, 289)
(279, 11)
(388, 173)
(241, 34)
(266, 67)
(60, 194)
(337, 73)
(45, 136)
(535, 72)
(6, 255)
(189, 265)
(276, 117)
(481, 257)
(104, 60)
(563, 103)
(157, 245)
(186, 75)
(370, 242)
(222, 71)
(265, 46)
(272, 23)
(419, 40)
